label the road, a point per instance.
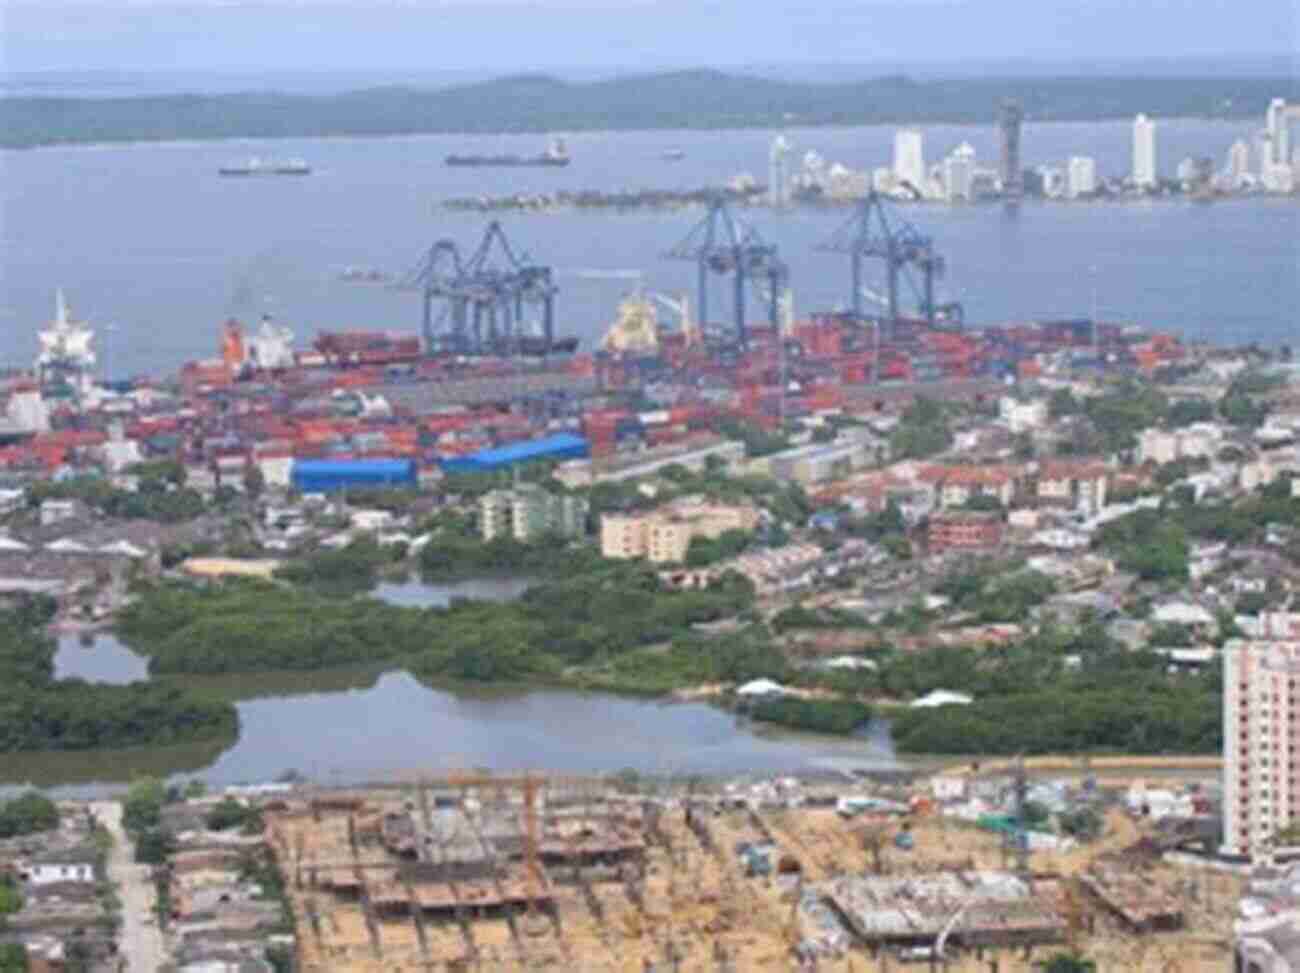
(140, 943)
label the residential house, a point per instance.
(57, 867)
(1254, 475)
(1022, 416)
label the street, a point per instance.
(140, 942)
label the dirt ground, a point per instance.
(698, 910)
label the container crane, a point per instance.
(722, 244)
(484, 296)
(869, 233)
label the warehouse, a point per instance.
(558, 447)
(325, 476)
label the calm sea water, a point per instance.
(147, 239)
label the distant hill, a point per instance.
(679, 99)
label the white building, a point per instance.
(27, 410)
(56, 869)
(909, 159)
(958, 173)
(1238, 165)
(1261, 720)
(1144, 152)
(883, 180)
(1022, 416)
(1277, 121)
(778, 172)
(1081, 176)
(1053, 180)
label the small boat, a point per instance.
(260, 167)
(673, 155)
(364, 275)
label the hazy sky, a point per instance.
(509, 35)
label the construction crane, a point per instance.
(722, 244)
(869, 233)
(483, 297)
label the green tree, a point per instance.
(11, 898)
(142, 807)
(1069, 963)
(28, 813)
(153, 846)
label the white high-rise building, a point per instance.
(1081, 176)
(909, 159)
(1261, 736)
(1277, 121)
(1238, 167)
(778, 172)
(1144, 152)
(958, 172)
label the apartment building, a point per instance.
(964, 530)
(955, 486)
(1198, 441)
(663, 536)
(1077, 486)
(816, 462)
(528, 512)
(1261, 742)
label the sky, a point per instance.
(483, 37)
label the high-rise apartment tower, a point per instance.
(1013, 179)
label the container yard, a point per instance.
(479, 379)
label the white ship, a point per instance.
(66, 358)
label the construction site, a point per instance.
(473, 872)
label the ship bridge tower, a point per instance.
(66, 359)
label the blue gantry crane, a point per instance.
(723, 244)
(483, 298)
(870, 234)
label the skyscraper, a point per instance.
(1081, 176)
(1144, 152)
(909, 159)
(1012, 176)
(778, 172)
(1238, 162)
(1261, 735)
(1278, 124)
(958, 171)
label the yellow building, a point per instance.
(224, 567)
(663, 536)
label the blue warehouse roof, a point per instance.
(322, 476)
(561, 446)
(353, 467)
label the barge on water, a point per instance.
(556, 154)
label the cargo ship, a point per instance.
(556, 154)
(260, 167)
